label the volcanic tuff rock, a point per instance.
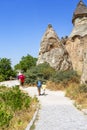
(84, 72)
(79, 20)
(78, 45)
(75, 48)
(49, 41)
(71, 51)
(53, 52)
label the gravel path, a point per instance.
(57, 112)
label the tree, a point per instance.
(26, 63)
(5, 69)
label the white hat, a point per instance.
(19, 73)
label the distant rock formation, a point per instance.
(49, 41)
(53, 52)
(71, 51)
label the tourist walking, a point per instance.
(21, 79)
(39, 85)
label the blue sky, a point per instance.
(23, 23)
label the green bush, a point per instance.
(4, 118)
(12, 100)
(63, 76)
(43, 71)
(15, 99)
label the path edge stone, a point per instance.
(32, 120)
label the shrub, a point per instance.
(11, 101)
(82, 88)
(15, 99)
(64, 76)
(5, 117)
(44, 71)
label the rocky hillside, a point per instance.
(69, 52)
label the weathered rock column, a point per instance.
(53, 52)
(84, 71)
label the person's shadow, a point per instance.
(43, 94)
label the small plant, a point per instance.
(82, 88)
(5, 117)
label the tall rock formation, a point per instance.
(79, 20)
(53, 52)
(84, 69)
(75, 48)
(76, 44)
(69, 52)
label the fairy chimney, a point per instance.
(77, 42)
(49, 40)
(53, 52)
(79, 20)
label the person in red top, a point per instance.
(21, 78)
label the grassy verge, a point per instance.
(16, 108)
(74, 90)
(78, 93)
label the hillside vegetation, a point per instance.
(16, 108)
(68, 81)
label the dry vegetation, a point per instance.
(74, 90)
(54, 86)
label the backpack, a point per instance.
(39, 83)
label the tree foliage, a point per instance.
(26, 63)
(5, 69)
